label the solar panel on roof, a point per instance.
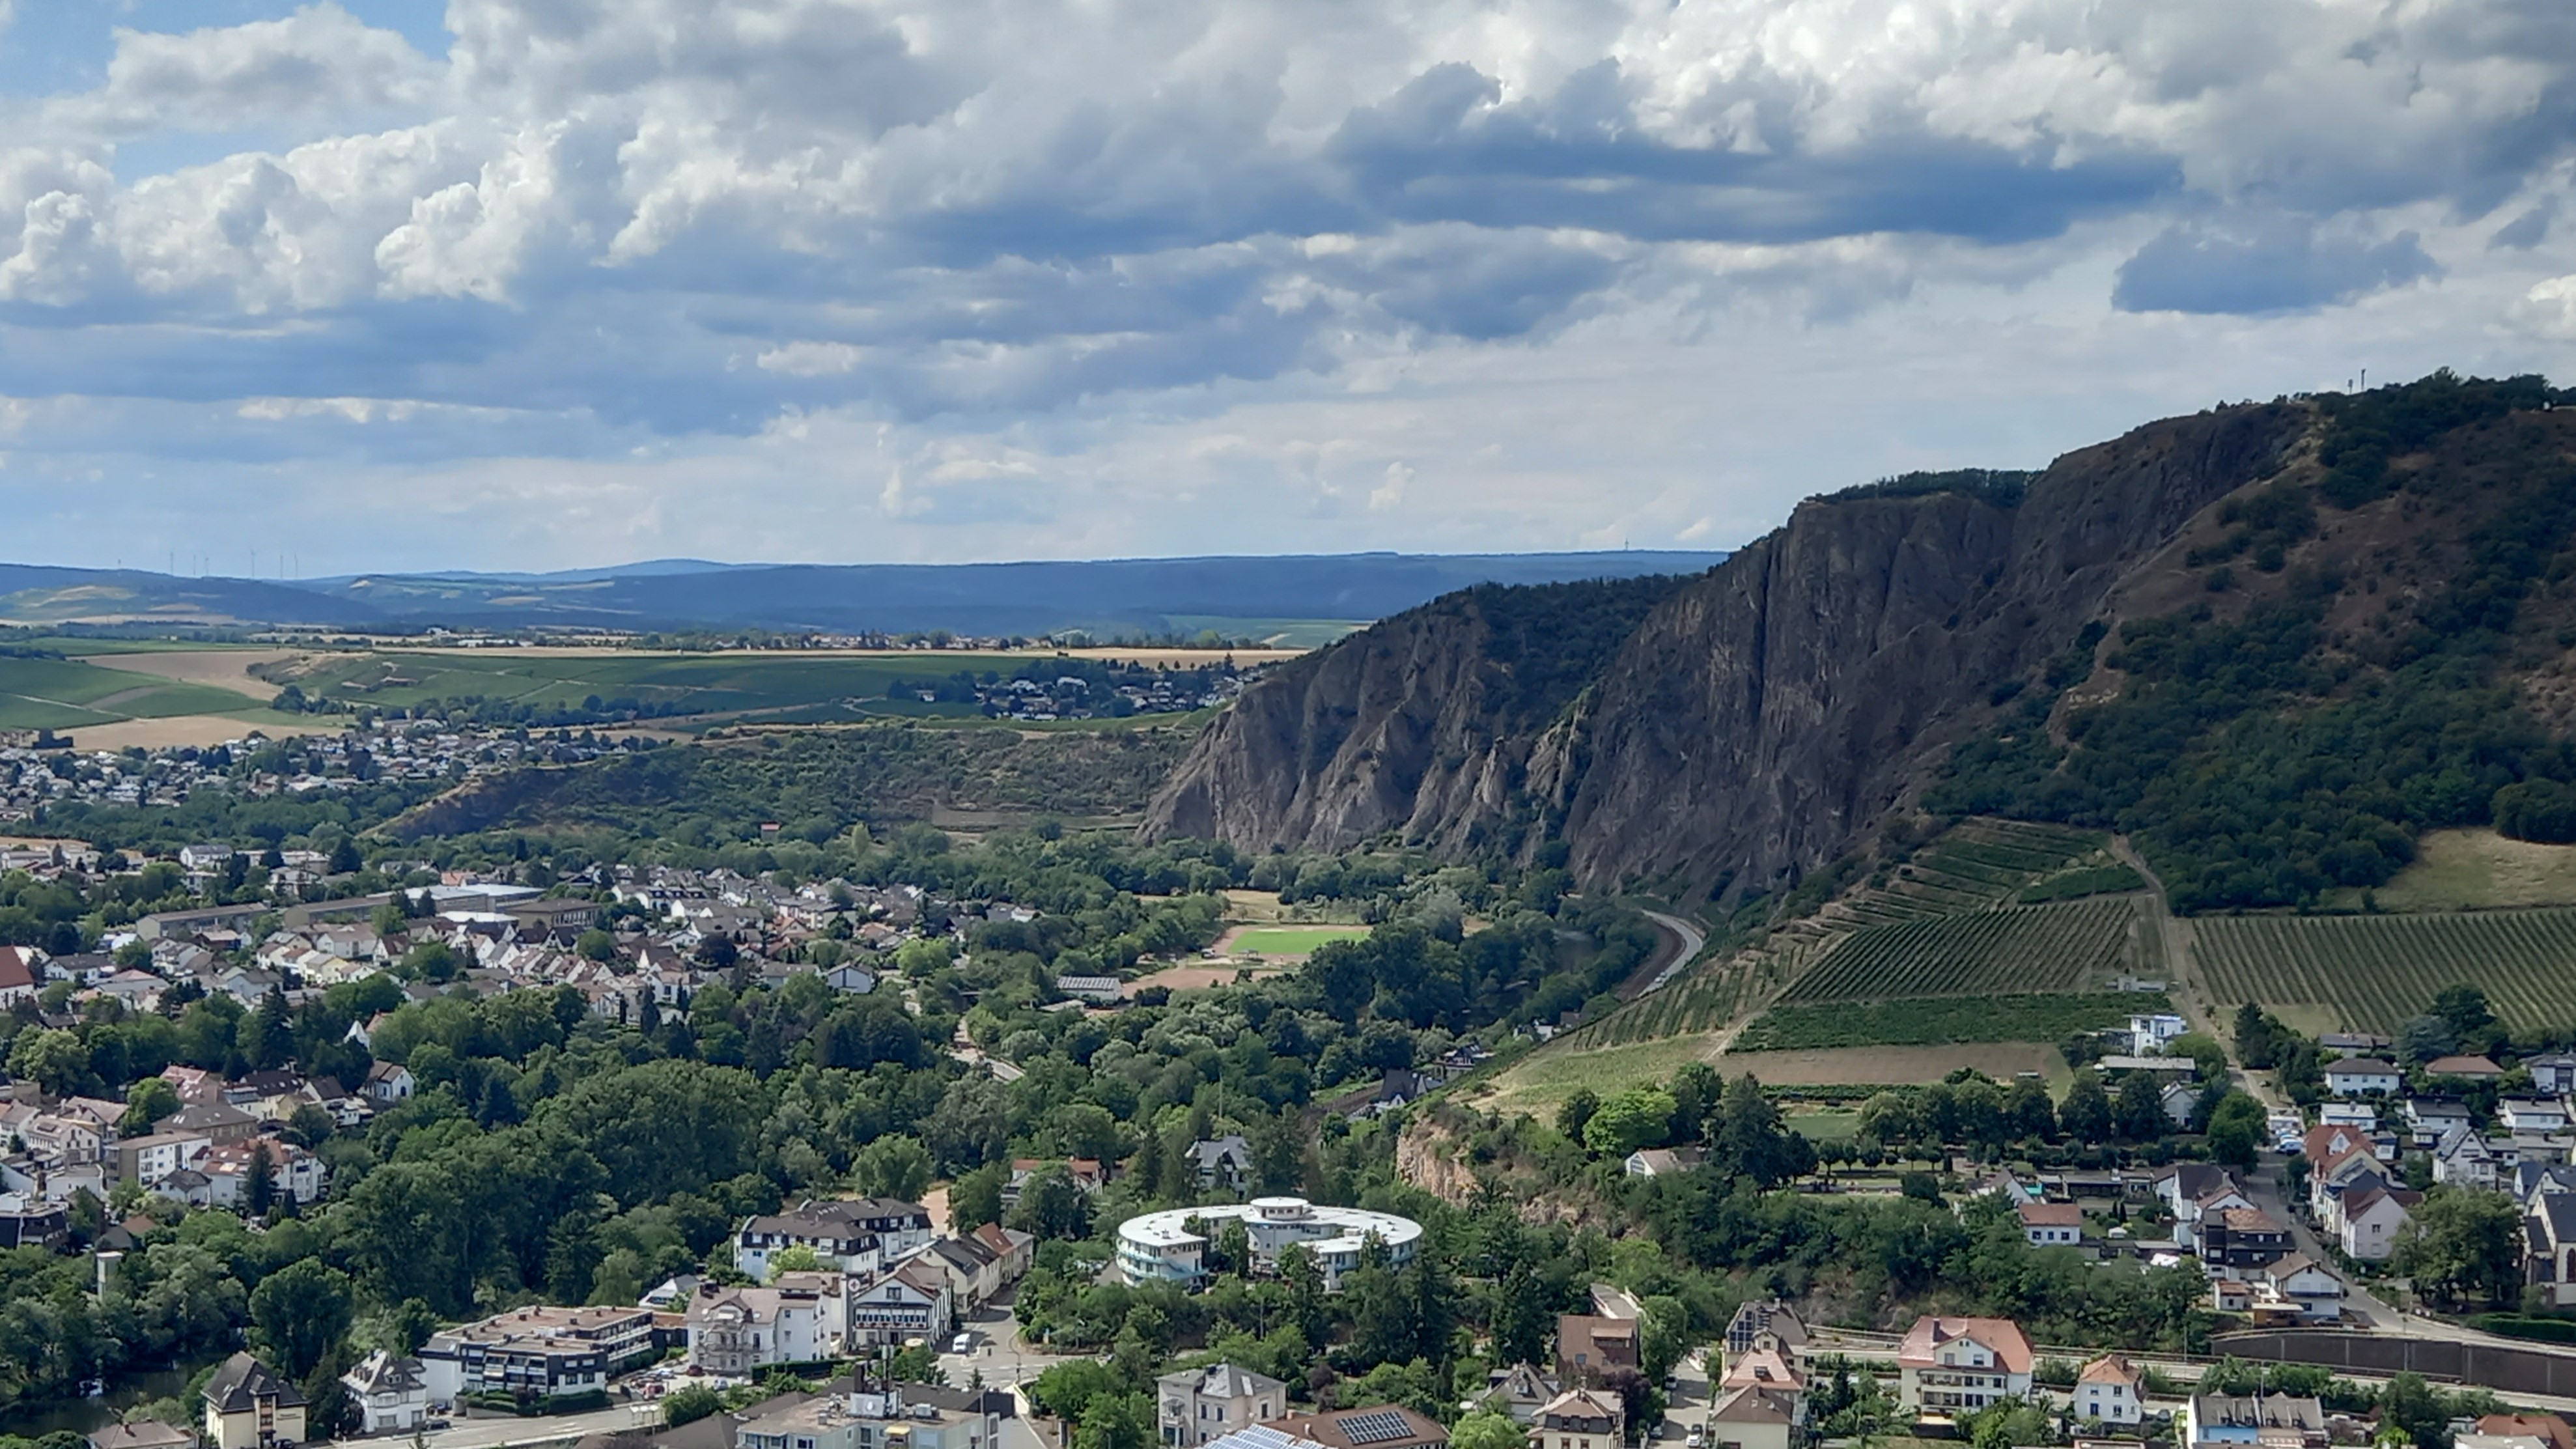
(1375, 1427)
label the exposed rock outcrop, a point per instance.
(1753, 722)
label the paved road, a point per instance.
(1690, 1402)
(2264, 1186)
(1686, 941)
(498, 1433)
(998, 1352)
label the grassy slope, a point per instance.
(2478, 869)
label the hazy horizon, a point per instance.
(402, 285)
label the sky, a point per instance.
(522, 284)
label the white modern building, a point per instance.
(1169, 1246)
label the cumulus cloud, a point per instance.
(2278, 266)
(649, 234)
(317, 61)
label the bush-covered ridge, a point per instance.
(2002, 487)
(2266, 758)
(1549, 641)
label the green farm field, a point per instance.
(2034, 1017)
(2373, 972)
(2072, 947)
(70, 693)
(816, 688)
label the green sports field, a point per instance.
(1293, 940)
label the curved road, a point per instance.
(1687, 939)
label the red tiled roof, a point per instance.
(2001, 1335)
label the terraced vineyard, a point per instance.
(2075, 947)
(1979, 867)
(2377, 971)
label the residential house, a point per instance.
(2275, 1421)
(1089, 1174)
(2427, 1118)
(2153, 1032)
(18, 980)
(2299, 1282)
(852, 979)
(2110, 1390)
(2553, 1074)
(1765, 1369)
(2530, 1114)
(1194, 1406)
(2372, 1222)
(1767, 1323)
(1519, 1392)
(2185, 1185)
(1661, 1161)
(1753, 1419)
(2465, 1068)
(294, 1174)
(2549, 1429)
(194, 1084)
(2051, 1224)
(141, 1434)
(2237, 1241)
(1588, 1347)
(1953, 1365)
(1385, 1426)
(856, 1236)
(982, 1263)
(1222, 1163)
(2464, 1158)
(2179, 1100)
(390, 1395)
(2363, 1077)
(913, 1299)
(896, 1416)
(247, 1406)
(743, 1331)
(149, 1159)
(214, 1121)
(546, 1351)
(1580, 1419)
(2362, 1114)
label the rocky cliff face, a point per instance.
(1423, 723)
(1756, 720)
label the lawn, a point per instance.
(1291, 940)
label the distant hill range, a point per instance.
(1289, 597)
(2274, 643)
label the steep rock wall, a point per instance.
(1754, 722)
